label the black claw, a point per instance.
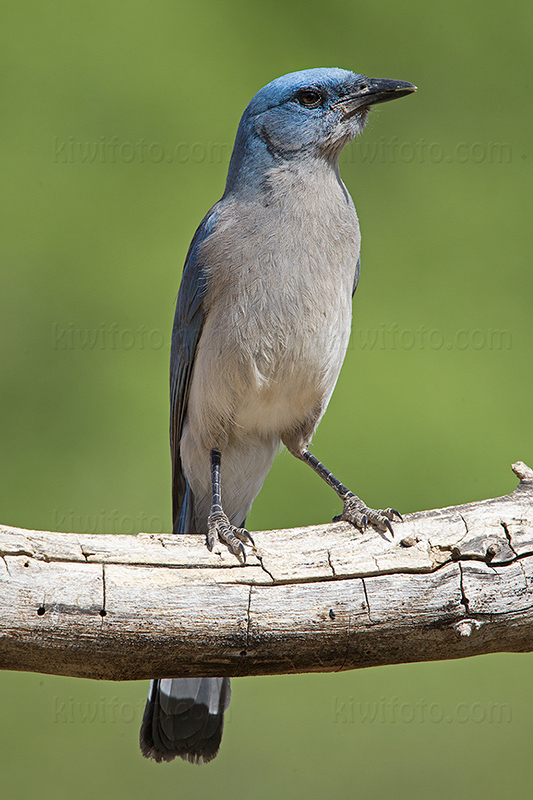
(337, 518)
(364, 522)
(250, 538)
(389, 526)
(397, 513)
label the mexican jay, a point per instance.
(261, 329)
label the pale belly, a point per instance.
(260, 376)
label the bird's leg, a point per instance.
(218, 524)
(355, 511)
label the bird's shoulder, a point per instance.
(193, 281)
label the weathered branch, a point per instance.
(455, 582)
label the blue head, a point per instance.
(306, 115)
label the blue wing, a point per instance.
(188, 323)
(356, 276)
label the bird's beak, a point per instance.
(372, 91)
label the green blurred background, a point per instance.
(117, 125)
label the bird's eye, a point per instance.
(309, 98)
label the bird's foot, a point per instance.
(219, 526)
(356, 512)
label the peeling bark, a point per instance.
(454, 582)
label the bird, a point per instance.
(261, 328)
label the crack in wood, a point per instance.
(248, 622)
(366, 599)
(508, 536)
(464, 599)
(347, 647)
(457, 558)
(103, 611)
(260, 559)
